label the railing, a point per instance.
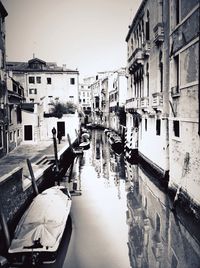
(158, 33)
(132, 103)
(157, 99)
(137, 55)
(144, 102)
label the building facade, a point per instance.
(46, 82)
(184, 121)
(47, 87)
(148, 78)
(4, 133)
(85, 100)
(15, 102)
(117, 99)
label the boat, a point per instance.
(39, 232)
(85, 145)
(115, 142)
(85, 141)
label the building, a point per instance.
(15, 102)
(85, 100)
(148, 84)
(46, 82)
(184, 120)
(117, 100)
(97, 98)
(3, 90)
(47, 88)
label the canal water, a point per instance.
(121, 218)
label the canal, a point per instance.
(121, 217)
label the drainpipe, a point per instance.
(4, 226)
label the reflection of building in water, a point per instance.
(156, 237)
(107, 164)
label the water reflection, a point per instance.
(156, 236)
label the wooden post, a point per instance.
(34, 184)
(78, 138)
(69, 140)
(56, 156)
(4, 226)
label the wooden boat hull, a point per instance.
(39, 232)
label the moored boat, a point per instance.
(115, 142)
(85, 145)
(39, 232)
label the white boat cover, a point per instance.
(43, 222)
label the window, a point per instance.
(32, 90)
(48, 80)
(32, 100)
(18, 133)
(147, 27)
(158, 126)
(176, 128)
(72, 81)
(176, 70)
(31, 80)
(161, 71)
(177, 8)
(147, 74)
(145, 124)
(157, 223)
(38, 79)
(1, 137)
(11, 136)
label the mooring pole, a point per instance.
(56, 155)
(34, 184)
(4, 226)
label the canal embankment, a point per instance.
(16, 189)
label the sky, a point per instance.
(85, 34)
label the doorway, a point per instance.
(61, 128)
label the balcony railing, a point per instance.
(132, 103)
(136, 59)
(157, 99)
(158, 33)
(144, 103)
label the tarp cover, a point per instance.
(43, 222)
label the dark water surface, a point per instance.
(120, 218)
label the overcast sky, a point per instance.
(84, 34)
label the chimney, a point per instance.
(64, 67)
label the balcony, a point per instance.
(158, 33)
(144, 102)
(146, 48)
(157, 99)
(132, 104)
(136, 60)
(175, 92)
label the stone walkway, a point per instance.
(34, 152)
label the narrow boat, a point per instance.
(85, 145)
(39, 232)
(115, 142)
